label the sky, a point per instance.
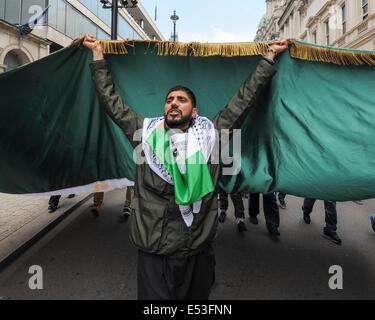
(208, 20)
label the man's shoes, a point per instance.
(222, 216)
(95, 210)
(360, 203)
(282, 204)
(52, 208)
(71, 196)
(241, 226)
(126, 212)
(254, 220)
(272, 230)
(306, 218)
(331, 235)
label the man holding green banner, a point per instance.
(174, 209)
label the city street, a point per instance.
(284, 86)
(91, 258)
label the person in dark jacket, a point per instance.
(330, 230)
(175, 257)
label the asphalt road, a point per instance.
(91, 258)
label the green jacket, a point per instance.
(156, 224)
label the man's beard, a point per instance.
(173, 124)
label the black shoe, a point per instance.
(360, 203)
(306, 218)
(222, 216)
(95, 210)
(52, 208)
(331, 235)
(241, 226)
(282, 204)
(126, 212)
(272, 230)
(254, 220)
(71, 196)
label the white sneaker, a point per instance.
(126, 211)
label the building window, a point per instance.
(326, 26)
(364, 9)
(343, 16)
(97, 8)
(102, 35)
(2, 9)
(105, 15)
(57, 15)
(77, 24)
(314, 39)
(286, 27)
(61, 16)
(28, 10)
(13, 11)
(92, 5)
(291, 25)
(125, 31)
(12, 61)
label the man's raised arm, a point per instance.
(127, 119)
(232, 116)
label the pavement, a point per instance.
(25, 219)
(87, 257)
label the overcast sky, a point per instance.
(208, 20)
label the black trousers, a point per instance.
(270, 207)
(330, 212)
(239, 208)
(167, 278)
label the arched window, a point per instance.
(14, 59)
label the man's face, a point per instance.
(178, 106)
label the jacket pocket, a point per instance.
(152, 182)
(147, 225)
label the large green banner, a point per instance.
(311, 133)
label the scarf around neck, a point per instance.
(180, 159)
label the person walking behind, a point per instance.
(330, 230)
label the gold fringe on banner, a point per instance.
(114, 47)
(298, 50)
(196, 49)
(309, 52)
(228, 49)
(166, 48)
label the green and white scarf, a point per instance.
(180, 158)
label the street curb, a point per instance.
(25, 246)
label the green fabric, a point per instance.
(311, 134)
(190, 186)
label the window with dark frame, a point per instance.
(343, 15)
(327, 32)
(364, 9)
(314, 39)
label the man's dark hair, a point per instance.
(187, 91)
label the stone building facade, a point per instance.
(338, 23)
